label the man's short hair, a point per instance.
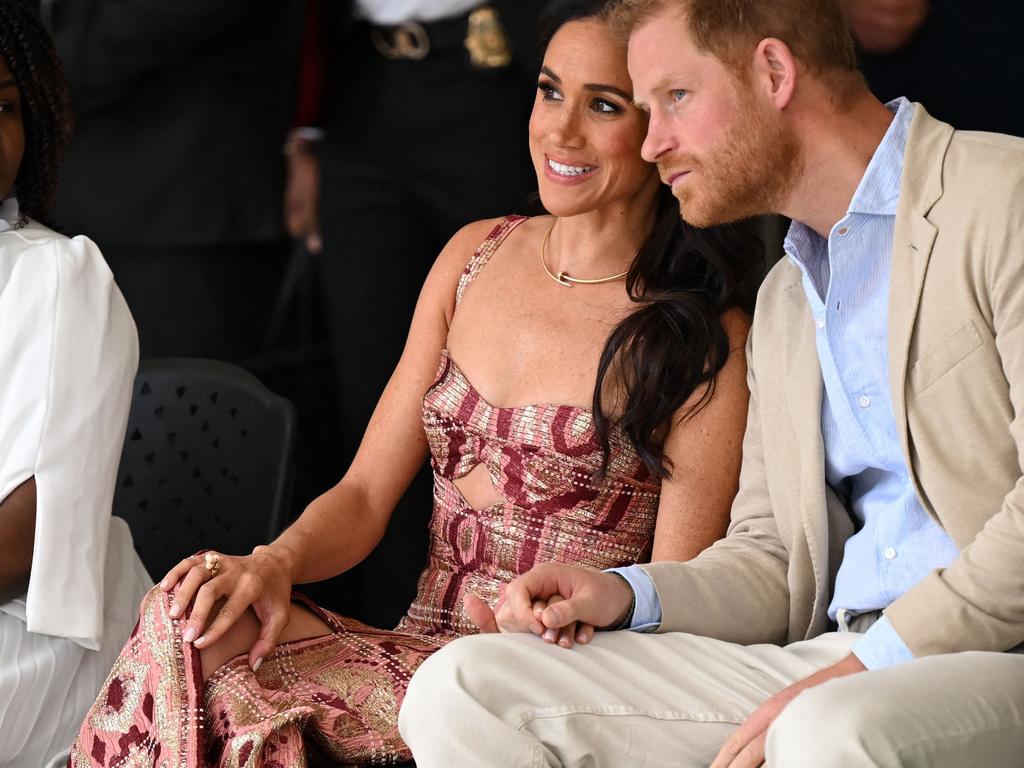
(816, 31)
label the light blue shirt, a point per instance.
(846, 281)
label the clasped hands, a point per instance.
(563, 604)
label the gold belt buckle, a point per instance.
(405, 41)
(486, 40)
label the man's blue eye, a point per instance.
(678, 94)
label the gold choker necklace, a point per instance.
(562, 278)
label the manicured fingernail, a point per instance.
(165, 584)
(175, 611)
(537, 611)
(190, 635)
(201, 642)
(256, 666)
(551, 635)
(565, 642)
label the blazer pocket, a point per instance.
(940, 359)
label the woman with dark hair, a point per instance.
(579, 382)
(69, 576)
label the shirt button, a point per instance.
(820, 323)
(890, 554)
(843, 230)
(864, 401)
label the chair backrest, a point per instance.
(207, 461)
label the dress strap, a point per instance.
(485, 251)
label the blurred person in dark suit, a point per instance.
(423, 109)
(958, 58)
(175, 168)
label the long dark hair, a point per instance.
(681, 280)
(28, 50)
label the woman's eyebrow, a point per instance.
(591, 86)
(610, 89)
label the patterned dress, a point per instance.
(335, 699)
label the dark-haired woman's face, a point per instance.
(585, 132)
(12, 130)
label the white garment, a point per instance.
(68, 355)
(386, 12)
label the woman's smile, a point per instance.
(568, 173)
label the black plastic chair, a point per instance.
(207, 461)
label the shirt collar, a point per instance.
(879, 190)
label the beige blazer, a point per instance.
(956, 370)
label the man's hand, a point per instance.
(561, 603)
(884, 26)
(302, 199)
(745, 748)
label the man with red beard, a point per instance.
(867, 605)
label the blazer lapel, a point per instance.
(913, 238)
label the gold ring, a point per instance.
(212, 563)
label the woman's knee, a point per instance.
(239, 639)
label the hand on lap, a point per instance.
(259, 581)
(745, 748)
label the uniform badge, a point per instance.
(486, 40)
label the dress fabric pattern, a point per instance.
(335, 699)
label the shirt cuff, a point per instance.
(647, 612)
(882, 647)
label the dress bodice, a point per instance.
(544, 460)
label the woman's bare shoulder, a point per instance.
(464, 244)
(451, 263)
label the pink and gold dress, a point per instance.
(335, 699)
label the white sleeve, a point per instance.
(68, 355)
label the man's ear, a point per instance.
(775, 69)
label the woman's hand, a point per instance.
(261, 581)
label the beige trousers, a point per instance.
(630, 700)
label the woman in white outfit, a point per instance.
(69, 577)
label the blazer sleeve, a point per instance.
(977, 604)
(68, 356)
(737, 590)
(110, 48)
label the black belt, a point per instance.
(479, 31)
